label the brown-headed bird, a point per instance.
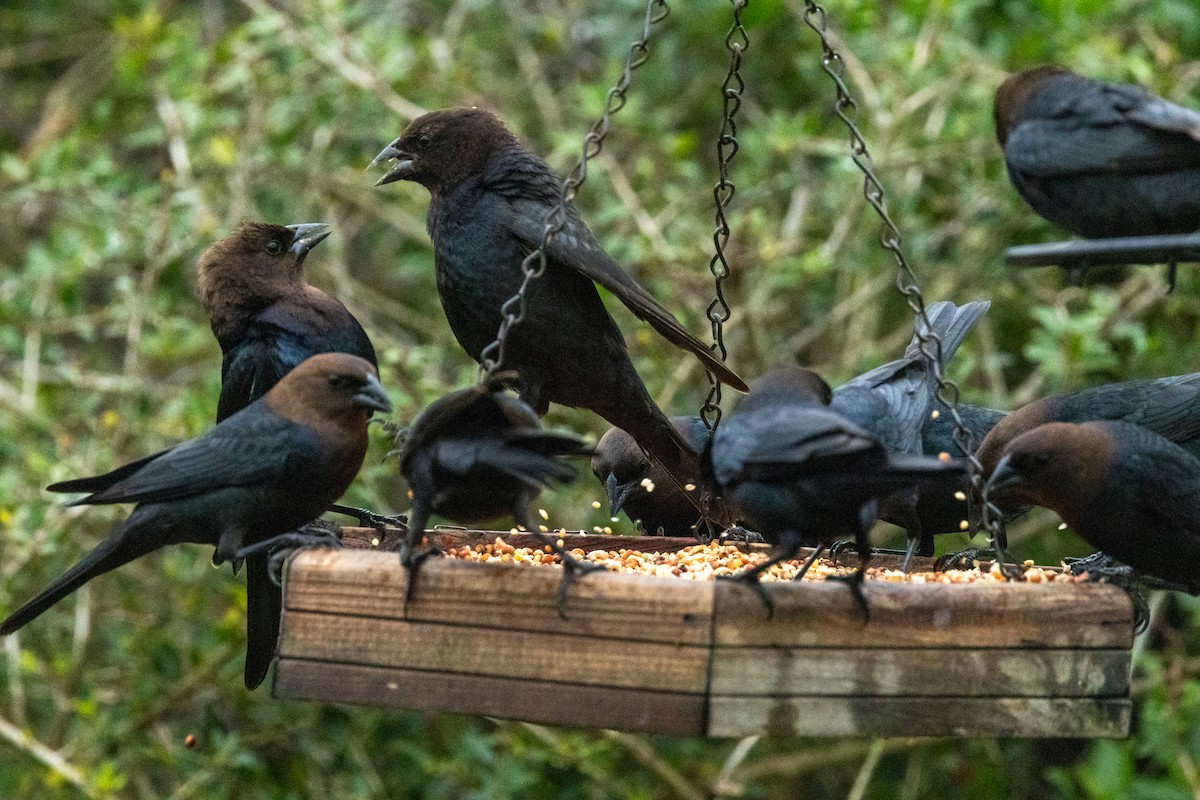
(1100, 159)
(894, 403)
(641, 488)
(265, 316)
(490, 197)
(802, 472)
(1124, 489)
(266, 470)
(478, 454)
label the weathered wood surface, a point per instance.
(700, 657)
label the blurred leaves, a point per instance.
(135, 132)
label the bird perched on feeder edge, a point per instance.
(1100, 159)
(265, 470)
(489, 201)
(802, 472)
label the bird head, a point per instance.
(1011, 98)
(330, 387)
(620, 465)
(1054, 465)
(441, 148)
(259, 260)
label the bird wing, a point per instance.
(245, 449)
(1168, 493)
(576, 248)
(786, 441)
(1171, 408)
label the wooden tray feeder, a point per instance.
(1077, 256)
(700, 658)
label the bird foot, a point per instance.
(739, 534)
(1102, 567)
(1096, 561)
(411, 559)
(280, 548)
(750, 579)
(963, 559)
(371, 519)
(573, 569)
(837, 548)
(855, 581)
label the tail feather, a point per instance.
(120, 548)
(919, 467)
(264, 603)
(99, 483)
(951, 323)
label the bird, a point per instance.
(477, 454)
(265, 316)
(1099, 159)
(268, 319)
(489, 200)
(1126, 490)
(800, 471)
(265, 470)
(639, 487)
(894, 403)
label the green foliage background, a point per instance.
(133, 134)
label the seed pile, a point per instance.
(706, 561)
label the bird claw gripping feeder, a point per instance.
(643, 649)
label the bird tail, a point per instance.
(951, 323)
(98, 484)
(531, 456)
(123, 546)
(922, 469)
(264, 603)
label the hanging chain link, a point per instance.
(491, 360)
(737, 42)
(906, 280)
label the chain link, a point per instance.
(491, 360)
(737, 42)
(906, 280)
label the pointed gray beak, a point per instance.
(308, 236)
(373, 396)
(402, 169)
(618, 493)
(1003, 476)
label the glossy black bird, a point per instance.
(490, 197)
(642, 489)
(265, 316)
(1100, 159)
(476, 455)
(1124, 489)
(267, 469)
(894, 403)
(802, 472)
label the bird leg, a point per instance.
(799, 576)
(572, 567)
(914, 546)
(282, 547)
(787, 548)
(963, 559)
(862, 543)
(370, 519)
(410, 557)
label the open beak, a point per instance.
(373, 396)
(308, 236)
(618, 493)
(402, 169)
(1003, 477)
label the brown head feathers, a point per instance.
(1013, 94)
(330, 390)
(440, 149)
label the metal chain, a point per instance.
(906, 280)
(737, 42)
(513, 311)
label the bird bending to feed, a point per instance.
(268, 319)
(802, 472)
(265, 470)
(489, 199)
(1124, 489)
(1100, 159)
(639, 487)
(894, 403)
(478, 454)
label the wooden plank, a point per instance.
(919, 716)
(542, 702)
(792, 671)
(967, 615)
(600, 604)
(518, 654)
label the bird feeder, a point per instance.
(1075, 257)
(701, 658)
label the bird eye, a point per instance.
(274, 247)
(424, 140)
(338, 381)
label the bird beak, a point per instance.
(308, 236)
(373, 396)
(618, 493)
(403, 168)
(1003, 477)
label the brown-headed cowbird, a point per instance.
(1126, 490)
(639, 487)
(894, 403)
(1100, 159)
(490, 197)
(478, 454)
(802, 472)
(265, 316)
(267, 469)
